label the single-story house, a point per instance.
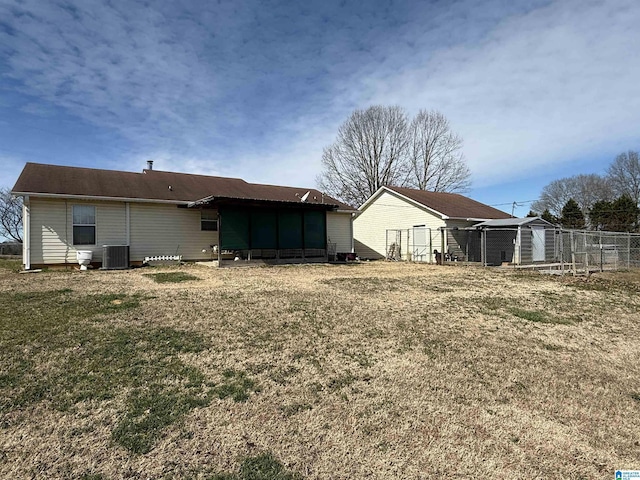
(517, 240)
(404, 223)
(157, 214)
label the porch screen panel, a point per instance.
(234, 229)
(264, 232)
(290, 229)
(315, 229)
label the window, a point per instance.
(209, 220)
(84, 225)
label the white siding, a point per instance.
(52, 229)
(49, 233)
(340, 231)
(159, 229)
(388, 211)
(155, 229)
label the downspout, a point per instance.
(519, 262)
(66, 234)
(353, 248)
(26, 233)
(127, 223)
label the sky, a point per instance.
(537, 89)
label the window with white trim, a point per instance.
(84, 225)
(209, 220)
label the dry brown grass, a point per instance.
(379, 370)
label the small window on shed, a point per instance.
(209, 220)
(84, 225)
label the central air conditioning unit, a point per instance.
(115, 257)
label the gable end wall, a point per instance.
(387, 212)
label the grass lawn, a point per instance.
(379, 370)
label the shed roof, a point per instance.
(154, 185)
(448, 205)
(514, 222)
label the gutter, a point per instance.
(100, 198)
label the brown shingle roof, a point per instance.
(39, 178)
(452, 205)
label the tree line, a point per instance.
(598, 202)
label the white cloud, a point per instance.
(115, 68)
(544, 87)
(237, 89)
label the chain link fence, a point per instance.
(573, 251)
(418, 244)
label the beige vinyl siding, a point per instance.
(388, 211)
(340, 231)
(52, 229)
(160, 229)
(48, 231)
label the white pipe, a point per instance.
(26, 233)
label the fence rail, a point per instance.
(571, 251)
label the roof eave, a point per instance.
(98, 198)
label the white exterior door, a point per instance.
(537, 244)
(420, 244)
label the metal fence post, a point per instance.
(386, 244)
(483, 247)
(586, 253)
(573, 253)
(561, 251)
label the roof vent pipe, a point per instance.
(149, 164)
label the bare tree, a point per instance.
(10, 215)
(624, 174)
(370, 152)
(435, 157)
(585, 190)
(378, 146)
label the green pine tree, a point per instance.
(572, 217)
(625, 214)
(549, 217)
(601, 215)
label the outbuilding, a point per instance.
(517, 241)
(409, 224)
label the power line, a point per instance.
(516, 202)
